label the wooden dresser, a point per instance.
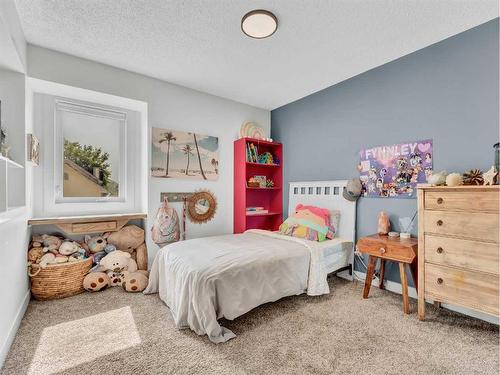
(458, 247)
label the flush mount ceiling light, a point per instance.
(259, 24)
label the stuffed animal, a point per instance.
(126, 239)
(79, 255)
(51, 243)
(116, 264)
(47, 259)
(101, 254)
(119, 261)
(36, 244)
(35, 254)
(109, 248)
(96, 281)
(135, 281)
(68, 248)
(61, 258)
(141, 257)
(98, 256)
(95, 244)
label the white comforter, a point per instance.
(205, 279)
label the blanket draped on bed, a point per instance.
(205, 279)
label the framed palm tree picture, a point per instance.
(185, 155)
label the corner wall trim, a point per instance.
(13, 329)
(394, 287)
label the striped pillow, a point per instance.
(309, 222)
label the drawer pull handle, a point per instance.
(439, 223)
(382, 250)
(439, 280)
(439, 250)
(440, 200)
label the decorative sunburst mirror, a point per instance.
(201, 206)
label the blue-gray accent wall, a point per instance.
(447, 91)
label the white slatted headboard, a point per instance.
(326, 194)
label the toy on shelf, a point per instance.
(269, 183)
(253, 156)
(266, 158)
(253, 182)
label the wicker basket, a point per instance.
(60, 280)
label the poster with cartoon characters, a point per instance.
(394, 171)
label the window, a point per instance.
(93, 152)
(90, 162)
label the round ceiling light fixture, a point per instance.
(259, 24)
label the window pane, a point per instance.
(91, 162)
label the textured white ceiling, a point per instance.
(199, 44)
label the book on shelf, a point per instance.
(252, 153)
(257, 212)
(255, 208)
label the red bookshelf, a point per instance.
(271, 198)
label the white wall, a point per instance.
(12, 41)
(169, 106)
(14, 235)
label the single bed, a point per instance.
(205, 279)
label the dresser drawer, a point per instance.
(474, 225)
(473, 255)
(476, 290)
(480, 201)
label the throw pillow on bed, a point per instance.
(309, 222)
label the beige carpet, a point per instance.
(114, 332)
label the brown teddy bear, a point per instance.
(131, 240)
(96, 281)
(51, 243)
(119, 269)
(126, 239)
(135, 281)
(35, 254)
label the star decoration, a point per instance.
(489, 177)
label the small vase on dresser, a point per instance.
(458, 247)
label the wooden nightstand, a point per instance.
(403, 251)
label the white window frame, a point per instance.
(68, 106)
(41, 197)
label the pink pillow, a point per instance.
(309, 222)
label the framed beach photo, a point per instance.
(184, 155)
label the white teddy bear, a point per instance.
(117, 265)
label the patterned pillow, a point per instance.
(310, 222)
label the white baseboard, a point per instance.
(14, 327)
(412, 293)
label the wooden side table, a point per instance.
(385, 248)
